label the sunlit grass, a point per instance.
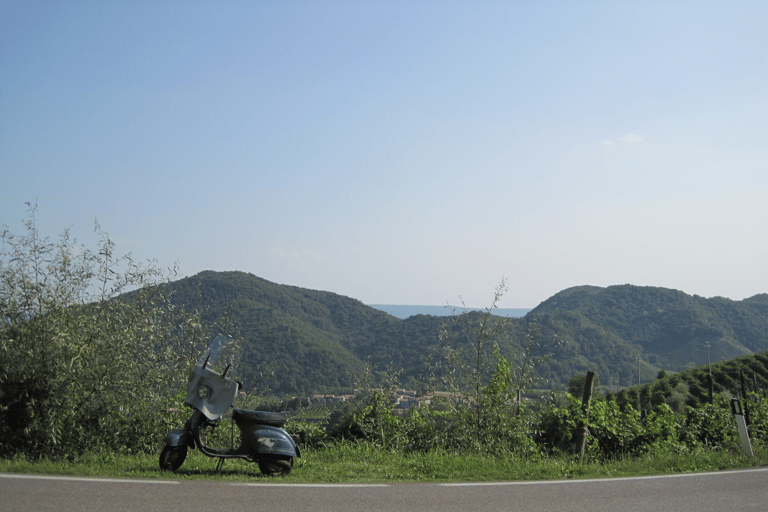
(351, 462)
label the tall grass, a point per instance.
(363, 462)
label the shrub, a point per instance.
(709, 425)
(81, 369)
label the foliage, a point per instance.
(467, 341)
(482, 413)
(79, 369)
(616, 431)
(756, 407)
(710, 425)
(300, 341)
(91, 346)
(667, 328)
(690, 387)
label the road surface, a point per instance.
(744, 490)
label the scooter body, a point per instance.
(210, 394)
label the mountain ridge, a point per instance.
(318, 341)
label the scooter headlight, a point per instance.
(203, 392)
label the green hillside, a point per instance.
(670, 328)
(302, 341)
(731, 378)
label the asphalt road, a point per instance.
(722, 491)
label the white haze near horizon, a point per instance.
(399, 152)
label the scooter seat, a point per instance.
(272, 419)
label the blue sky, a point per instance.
(399, 152)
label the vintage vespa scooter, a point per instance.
(210, 393)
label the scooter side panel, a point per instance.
(273, 441)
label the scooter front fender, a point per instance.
(179, 437)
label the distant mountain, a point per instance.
(317, 341)
(670, 327)
(404, 312)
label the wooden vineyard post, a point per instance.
(744, 396)
(587, 397)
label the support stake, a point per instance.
(585, 401)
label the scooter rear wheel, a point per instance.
(172, 457)
(277, 466)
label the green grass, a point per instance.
(363, 463)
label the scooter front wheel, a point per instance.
(172, 457)
(277, 466)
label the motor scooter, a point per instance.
(210, 394)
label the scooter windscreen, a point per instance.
(222, 352)
(209, 390)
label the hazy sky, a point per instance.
(399, 152)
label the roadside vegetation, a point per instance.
(93, 364)
(90, 346)
(346, 462)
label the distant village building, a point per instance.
(404, 398)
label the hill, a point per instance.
(668, 328)
(302, 341)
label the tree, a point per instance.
(532, 355)
(472, 343)
(83, 366)
(471, 336)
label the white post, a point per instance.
(742, 424)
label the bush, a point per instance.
(82, 365)
(758, 417)
(709, 425)
(556, 428)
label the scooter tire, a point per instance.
(276, 466)
(172, 457)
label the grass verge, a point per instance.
(347, 462)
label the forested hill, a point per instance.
(317, 341)
(672, 328)
(313, 341)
